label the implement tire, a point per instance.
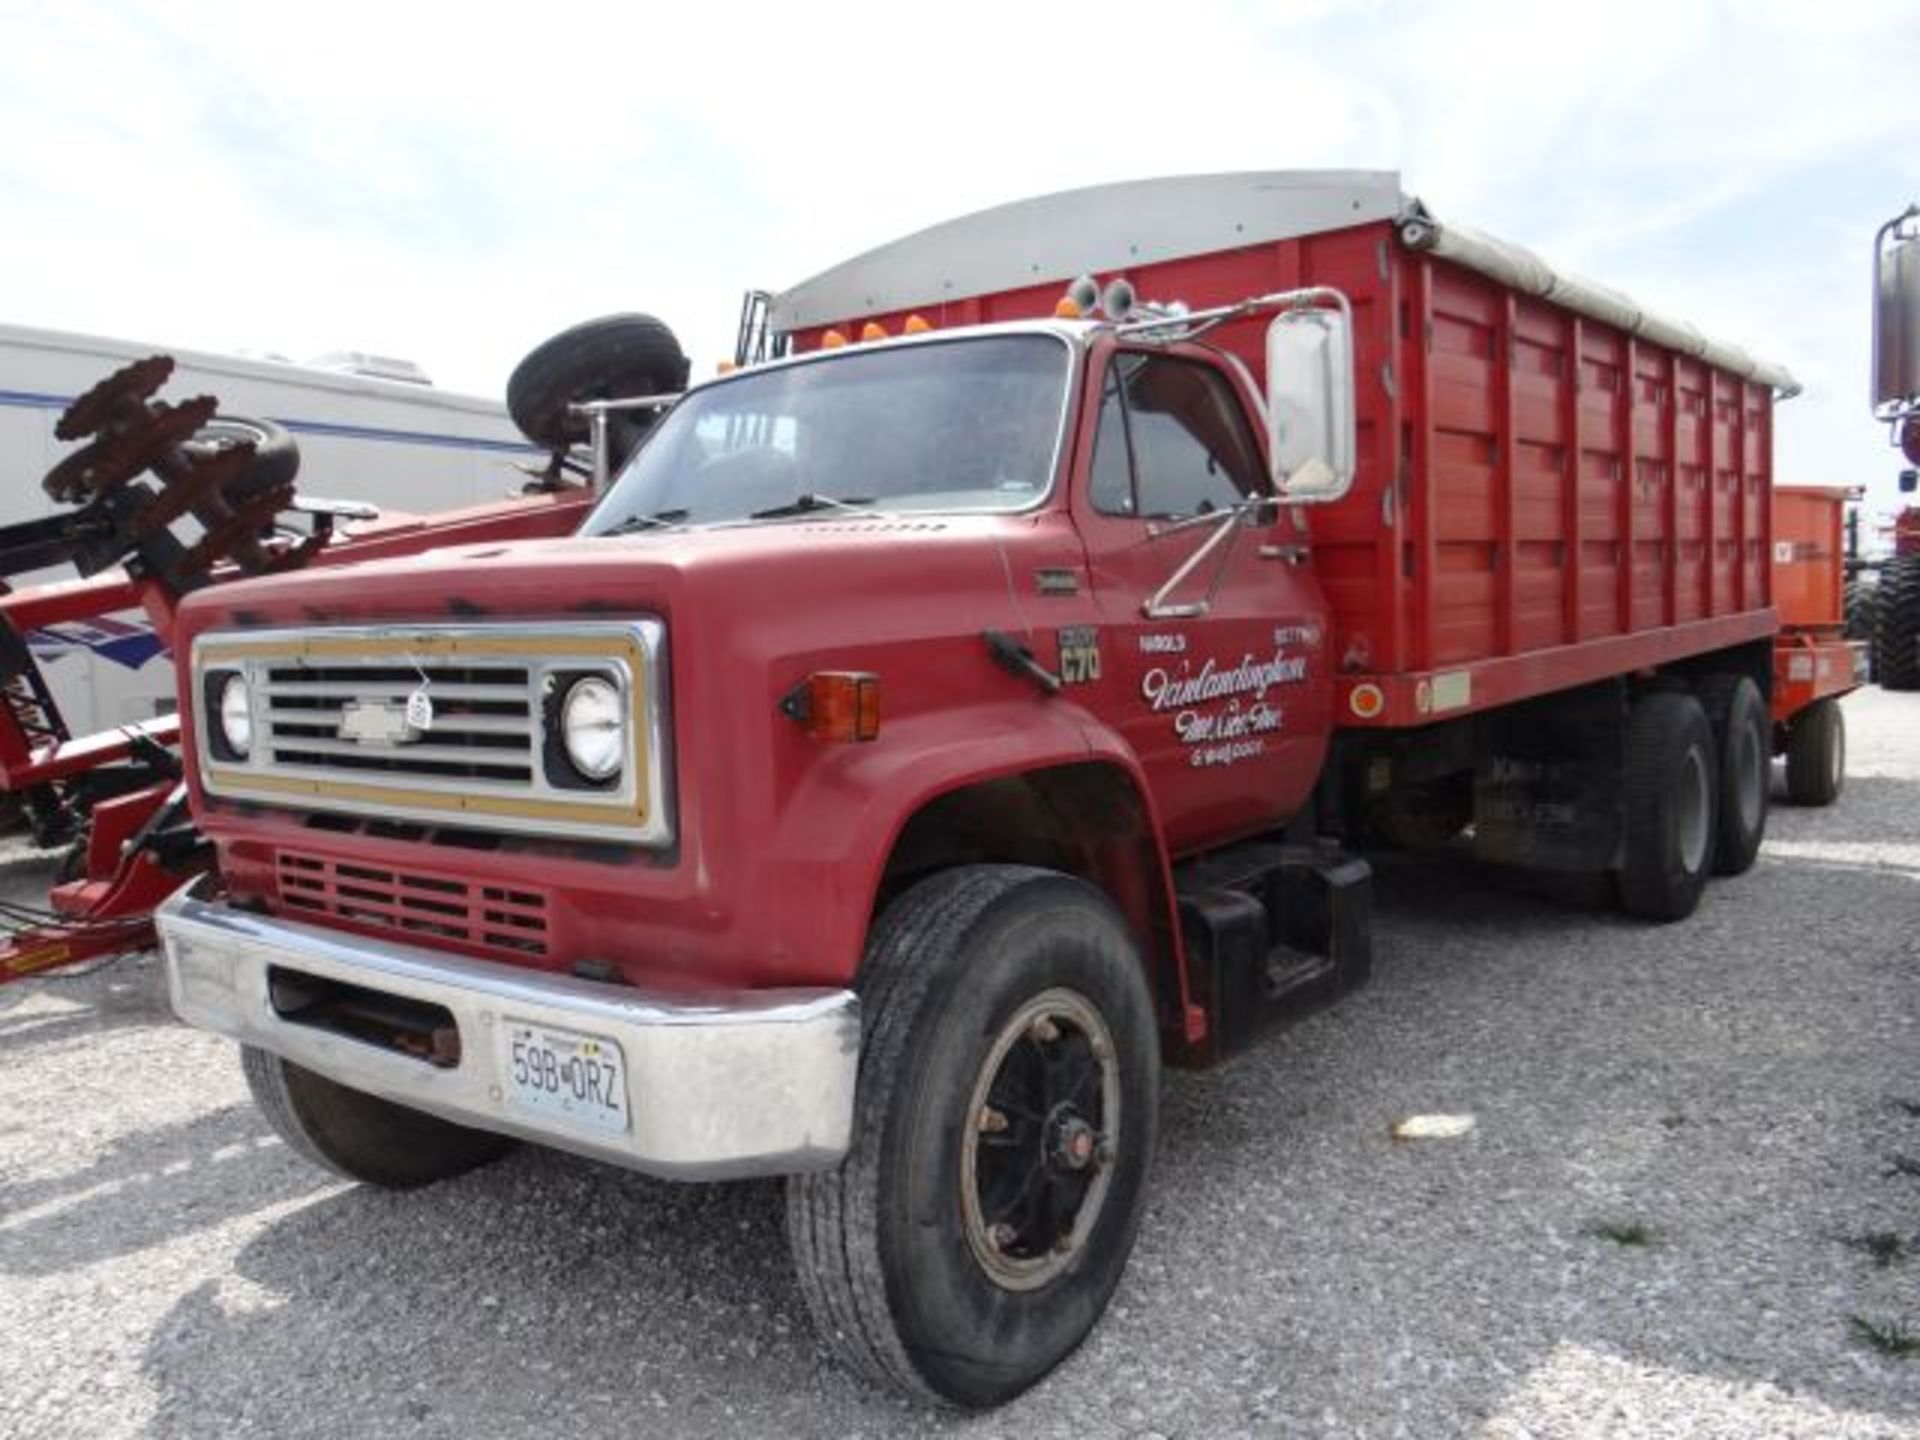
(358, 1136)
(1896, 625)
(1003, 1128)
(1817, 754)
(276, 454)
(1672, 800)
(1862, 600)
(1743, 736)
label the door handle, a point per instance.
(1292, 554)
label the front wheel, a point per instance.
(1004, 1124)
(359, 1136)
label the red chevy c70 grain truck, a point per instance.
(925, 738)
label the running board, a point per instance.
(1273, 932)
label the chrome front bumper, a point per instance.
(745, 1083)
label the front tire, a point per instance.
(1672, 805)
(359, 1136)
(1004, 1124)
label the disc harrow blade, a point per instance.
(115, 458)
(131, 385)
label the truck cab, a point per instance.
(1096, 468)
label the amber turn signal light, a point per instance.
(836, 705)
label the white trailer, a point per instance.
(365, 433)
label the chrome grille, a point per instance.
(331, 731)
(486, 721)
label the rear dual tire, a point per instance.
(1673, 802)
(1743, 736)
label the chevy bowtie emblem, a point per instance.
(377, 722)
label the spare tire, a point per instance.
(613, 358)
(276, 455)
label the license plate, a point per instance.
(578, 1080)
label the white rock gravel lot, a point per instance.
(1732, 1084)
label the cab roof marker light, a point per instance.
(871, 331)
(917, 324)
(832, 340)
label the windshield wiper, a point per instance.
(808, 503)
(659, 520)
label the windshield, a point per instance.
(967, 424)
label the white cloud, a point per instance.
(454, 185)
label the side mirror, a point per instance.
(1896, 315)
(1310, 419)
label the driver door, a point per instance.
(1221, 674)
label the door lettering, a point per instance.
(1221, 713)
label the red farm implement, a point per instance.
(115, 798)
(1814, 663)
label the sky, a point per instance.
(452, 185)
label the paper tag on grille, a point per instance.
(419, 710)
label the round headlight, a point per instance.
(592, 729)
(236, 715)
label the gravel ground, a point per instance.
(1742, 1089)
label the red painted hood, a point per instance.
(778, 836)
(771, 573)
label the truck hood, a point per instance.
(761, 573)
